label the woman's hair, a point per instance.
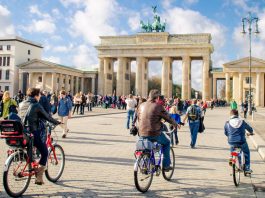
(6, 96)
(77, 95)
(63, 92)
(173, 110)
(32, 92)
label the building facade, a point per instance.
(237, 81)
(14, 51)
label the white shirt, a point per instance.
(131, 103)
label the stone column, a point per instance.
(214, 88)
(43, 81)
(261, 89)
(93, 85)
(127, 78)
(240, 87)
(165, 82)
(101, 77)
(72, 85)
(145, 78)
(60, 82)
(76, 84)
(205, 78)
(227, 87)
(67, 83)
(139, 76)
(121, 75)
(189, 81)
(82, 84)
(170, 82)
(54, 82)
(108, 76)
(185, 77)
(31, 80)
(257, 94)
(20, 84)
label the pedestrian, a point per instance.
(89, 101)
(54, 103)
(83, 103)
(45, 103)
(7, 106)
(245, 108)
(131, 105)
(64, 111)
(19, 97)
(193, 115)
(77, 102)
(173, 112)
(233, 105)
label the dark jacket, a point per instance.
(45, 103)
(235, 131)
(36, 112)
(149, 115)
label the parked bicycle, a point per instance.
(148, 162)
(18, 168)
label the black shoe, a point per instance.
(64, 136)
(167, 169)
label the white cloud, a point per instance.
(85, 57)
(7, 28)
(53, 59)
(42, 26)
(67, 3)
(34, 9)
(62, 49)
(191, 1)
(134, 21)
(95, 20)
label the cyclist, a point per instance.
(149, 115)
(235, 131)
(31, 112)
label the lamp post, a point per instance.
(249, 20)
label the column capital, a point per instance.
(166, 59)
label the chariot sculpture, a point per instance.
(156, 26)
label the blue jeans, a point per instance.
(246, 152)
(130, 114)
(194, 128)
(174, 133)
(165, 141)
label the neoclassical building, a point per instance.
(54, 77)
(144, 47)
(236, 76)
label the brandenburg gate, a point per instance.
(144, 47)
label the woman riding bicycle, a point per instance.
(31, 112)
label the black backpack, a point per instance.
(193, 113)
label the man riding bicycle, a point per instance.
(235, 130)
(31, 112)
(149, 115)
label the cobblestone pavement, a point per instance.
(99, 162)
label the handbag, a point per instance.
(201, 127)
(134, 131)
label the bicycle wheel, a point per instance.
(143, 174)
(168, 175)
(55, 167)
(236, 172)
(16, 177)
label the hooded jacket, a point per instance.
(235, 130)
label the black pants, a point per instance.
(76, 107)
(82, 108)
(245, 114)
(89, 106)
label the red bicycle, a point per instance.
(18, 168)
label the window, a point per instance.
(1, 61)
(28, 52)
(127, 66)
(7, 74)
(40, 79)
(127, 77)
(8, 47)
(0, 75)
(28, 59)
(0, 88)
(69, 81)
(57, 80)
(248, 81)
(109, 66)
(4, 61)
(109, 76)
(6, 88)
(1, 47)
(8, 61)
(64, 81)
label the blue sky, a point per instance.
(68, 29)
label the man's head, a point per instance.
(234, 113)
(194, 101)
(153, 94)
(63, 93)
(130, 96)
(45, 92)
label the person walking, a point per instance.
(89, 101)
(8, 105)
(173, 112)
(77, 102)
(233, 105)
(245, 108)
(131, 104)
(193, 115)
(64, 111)
(83, 103)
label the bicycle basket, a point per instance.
(144, 144)
(12, 131)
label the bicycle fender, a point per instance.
(8, 160)
(135, 165)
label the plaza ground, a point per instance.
(99, 162)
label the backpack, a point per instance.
(193, 113)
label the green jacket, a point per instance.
(233, 105)
(6, 106)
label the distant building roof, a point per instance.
(217, 69)
(22, 40)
